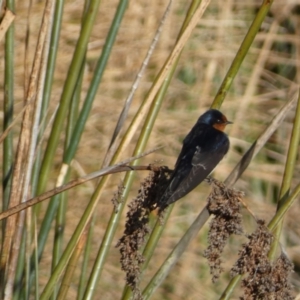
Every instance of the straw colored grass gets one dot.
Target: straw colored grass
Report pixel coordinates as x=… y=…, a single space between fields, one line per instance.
x=267 y=80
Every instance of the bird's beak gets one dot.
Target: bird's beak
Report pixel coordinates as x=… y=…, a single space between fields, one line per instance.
x=228 y=122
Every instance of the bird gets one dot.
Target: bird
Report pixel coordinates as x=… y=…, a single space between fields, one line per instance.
x=203 y=148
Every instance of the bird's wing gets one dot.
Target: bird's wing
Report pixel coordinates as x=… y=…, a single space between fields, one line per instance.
x=191 y=172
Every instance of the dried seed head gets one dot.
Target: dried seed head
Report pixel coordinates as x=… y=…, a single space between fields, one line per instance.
x=136 y=227
x=225 y=205
x=265 y=280
x=118 y=197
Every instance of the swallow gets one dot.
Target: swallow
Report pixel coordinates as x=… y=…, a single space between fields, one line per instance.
x=203 y=148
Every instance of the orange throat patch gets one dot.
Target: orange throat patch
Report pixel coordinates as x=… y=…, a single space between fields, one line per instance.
x=220 y=127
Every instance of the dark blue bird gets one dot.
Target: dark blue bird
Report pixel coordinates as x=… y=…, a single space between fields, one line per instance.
x=203 y=148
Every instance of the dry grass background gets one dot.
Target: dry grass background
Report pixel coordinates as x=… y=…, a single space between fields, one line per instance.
x=266 y=81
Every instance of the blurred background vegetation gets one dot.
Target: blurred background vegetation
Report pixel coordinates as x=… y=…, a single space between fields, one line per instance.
x=267 y=79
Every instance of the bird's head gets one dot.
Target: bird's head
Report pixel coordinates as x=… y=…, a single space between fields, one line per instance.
x=214 y=118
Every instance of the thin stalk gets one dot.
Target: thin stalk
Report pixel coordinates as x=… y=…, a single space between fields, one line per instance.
x=55 y=34
x=61 y=204
x=99 y=70
x=19 y=271
x=36 y=261
x=56 y=274
x=52 y=207
x=226 y=295
x=83 y=275
x=284 y=207
x=46 y=91
x=103 y=172
x=173 y=257
x=62 y=198
x=48 y=218
x=8 y=109
x=25 y=153
x=242 y=52
x=106 y=241
x=260 y=142
x=158 y=228
x=288 y=175
x=67 y=93
x=128 y=101
x=72 y=266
